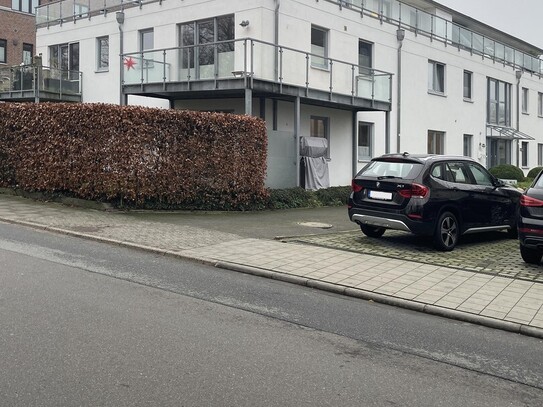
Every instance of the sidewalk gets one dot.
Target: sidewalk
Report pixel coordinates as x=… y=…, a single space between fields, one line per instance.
x=244 y=242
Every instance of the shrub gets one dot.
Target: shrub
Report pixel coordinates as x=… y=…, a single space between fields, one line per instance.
x=300 y=198
x=533 y=172
x=334 y=196
x=133 y=155
x=507 y=171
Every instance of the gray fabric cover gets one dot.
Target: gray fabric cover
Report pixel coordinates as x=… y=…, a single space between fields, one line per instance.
x=316 y=173
x=313 y=151
x=313 y=146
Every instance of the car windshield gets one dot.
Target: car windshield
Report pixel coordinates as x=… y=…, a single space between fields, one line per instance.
x=388 y=169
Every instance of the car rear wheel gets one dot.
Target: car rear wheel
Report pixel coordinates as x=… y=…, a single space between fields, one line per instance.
x=447 y=232
x=530 y=256
x=372 y=231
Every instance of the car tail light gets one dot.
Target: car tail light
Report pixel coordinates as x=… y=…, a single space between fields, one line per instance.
x=414 y=191
x=355 y=187
x=529 y=201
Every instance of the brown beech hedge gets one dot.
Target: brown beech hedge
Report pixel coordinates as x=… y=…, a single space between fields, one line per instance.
x=134 y=154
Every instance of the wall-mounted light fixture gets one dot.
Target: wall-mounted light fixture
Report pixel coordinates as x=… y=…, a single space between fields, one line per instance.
x=244 y=23
x=119 y=15
x=400 y=34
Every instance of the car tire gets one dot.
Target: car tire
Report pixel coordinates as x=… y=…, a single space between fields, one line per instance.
x=447 y=232
x=372 y=231
x=530 y=256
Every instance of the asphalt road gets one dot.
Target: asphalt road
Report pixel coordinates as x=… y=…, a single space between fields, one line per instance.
x=85 y=323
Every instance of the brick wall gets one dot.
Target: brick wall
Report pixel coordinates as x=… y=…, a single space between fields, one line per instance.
x=16 y=28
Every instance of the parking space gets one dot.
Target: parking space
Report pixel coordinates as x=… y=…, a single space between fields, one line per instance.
x=492 y=253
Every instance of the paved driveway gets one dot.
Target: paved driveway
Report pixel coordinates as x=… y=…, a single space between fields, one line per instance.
x=491 y=253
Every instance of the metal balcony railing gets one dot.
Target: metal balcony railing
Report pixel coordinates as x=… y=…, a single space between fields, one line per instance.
x=37 y=79
x=253 y=59
x=421 y=22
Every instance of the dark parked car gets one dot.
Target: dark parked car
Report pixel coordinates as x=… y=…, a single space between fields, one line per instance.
x=530 y=222
x=433 y=195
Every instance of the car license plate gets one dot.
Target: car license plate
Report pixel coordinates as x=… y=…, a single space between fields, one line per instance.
x=384 y=196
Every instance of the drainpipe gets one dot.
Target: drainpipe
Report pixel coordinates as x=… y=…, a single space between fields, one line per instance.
x=400 y=35
x=120 y=20
x=518 y=75
x=276 y=39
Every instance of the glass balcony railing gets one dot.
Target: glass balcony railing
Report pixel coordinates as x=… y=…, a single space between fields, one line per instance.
x=37 y=78
x=411 y=18
x=253 y=59
x=69 y=10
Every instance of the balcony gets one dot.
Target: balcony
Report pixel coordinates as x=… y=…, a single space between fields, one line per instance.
x=230 y=67
x=420 y=22
x=35 y=83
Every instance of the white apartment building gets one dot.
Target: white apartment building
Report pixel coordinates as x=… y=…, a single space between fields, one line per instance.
x=371 y=76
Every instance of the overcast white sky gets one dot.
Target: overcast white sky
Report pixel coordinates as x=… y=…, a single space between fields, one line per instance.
x=521 y=18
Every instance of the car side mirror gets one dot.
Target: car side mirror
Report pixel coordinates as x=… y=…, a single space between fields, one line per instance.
x=499 y=183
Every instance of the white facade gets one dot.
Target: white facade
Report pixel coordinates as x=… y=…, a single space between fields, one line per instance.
x=405 y=122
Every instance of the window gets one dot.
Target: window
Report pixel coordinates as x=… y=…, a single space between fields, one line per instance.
x=480 y=175
x=65 y=57
x=524 y=156
x=468 y=140
x=319 y=47
x=147 y=39
x=207 y=60
x=499 y=102
x=26 y=6
x=458 y=173
x=525 y=100
x=28 y=52
x=102 y=53
x=319 y=127
x=365 y=141
x=468 y=77
x=436 y=142
x=540 y=155
x=364 y=56
x=3 y=51
x=540 y=104
x=436 y=77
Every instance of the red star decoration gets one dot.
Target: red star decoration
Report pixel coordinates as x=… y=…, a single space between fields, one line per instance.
x=129 y=63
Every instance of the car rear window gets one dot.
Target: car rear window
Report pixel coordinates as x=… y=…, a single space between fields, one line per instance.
x=407 y=170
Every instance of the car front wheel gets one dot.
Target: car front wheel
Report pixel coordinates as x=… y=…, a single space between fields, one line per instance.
x=530 y=256
x=447 y=232
x=372 y=231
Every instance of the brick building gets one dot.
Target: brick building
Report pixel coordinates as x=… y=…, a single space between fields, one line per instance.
x=17 y=31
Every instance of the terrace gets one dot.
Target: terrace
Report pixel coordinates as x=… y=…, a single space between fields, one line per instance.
x=35 y=83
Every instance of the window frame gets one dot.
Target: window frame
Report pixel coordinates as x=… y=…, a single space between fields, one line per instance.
x=370 y=137
x=468 y=142
x=539 y=154
x=363 y=69
x=540 y=104
x=495 y=85
x=4 y=46
x=525 y=100
x=27 y=61
x=435 y=141
x=438 y=88
x=524 y=154
x=468 y=85
x=326 y=130
x=316 y=57
x=99 y=46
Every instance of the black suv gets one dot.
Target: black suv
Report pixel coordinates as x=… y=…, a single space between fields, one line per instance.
x=530 y=222
x=433 y=195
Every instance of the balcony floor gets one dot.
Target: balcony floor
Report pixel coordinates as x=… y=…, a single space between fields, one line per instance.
x=235 y=88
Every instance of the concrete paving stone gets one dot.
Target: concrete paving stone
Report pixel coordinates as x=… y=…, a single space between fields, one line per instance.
x=447 y=304
x=405 y=296
x=537 y=323
x=530 y=303
x=473 y=309
x=517 y=320
x=493 y=314
x=521 y=313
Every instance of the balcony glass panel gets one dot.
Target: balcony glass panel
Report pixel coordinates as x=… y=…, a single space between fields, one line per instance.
x=500 y=51
x=477 y=42
x=440 y=28
x=372 y=5
x=489 y=46
x=509 y=55
x=425 y=22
